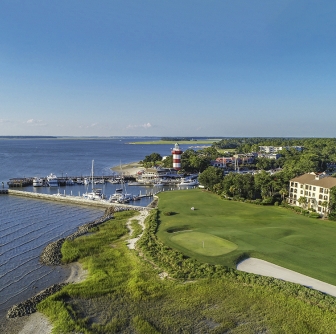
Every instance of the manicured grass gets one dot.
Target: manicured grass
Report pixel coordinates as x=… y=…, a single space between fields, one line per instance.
x=273 y=234
x=203 y=243
x=123 y=294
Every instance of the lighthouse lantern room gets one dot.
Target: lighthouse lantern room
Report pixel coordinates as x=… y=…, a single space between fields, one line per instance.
x=177 y=157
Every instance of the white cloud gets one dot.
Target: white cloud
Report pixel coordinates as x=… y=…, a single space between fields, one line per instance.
x=33 y=122
x=145 y=126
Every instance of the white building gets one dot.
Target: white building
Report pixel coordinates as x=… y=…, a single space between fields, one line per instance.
x=275 y=149
x=314 y=187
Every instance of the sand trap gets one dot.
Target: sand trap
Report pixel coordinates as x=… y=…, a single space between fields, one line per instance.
x=265 y=268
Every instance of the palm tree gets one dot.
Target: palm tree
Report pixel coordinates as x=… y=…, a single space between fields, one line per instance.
x=325 y=205
x=302 y=201
x=283 y=192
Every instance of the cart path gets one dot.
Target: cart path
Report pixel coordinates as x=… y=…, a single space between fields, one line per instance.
x=264 y=268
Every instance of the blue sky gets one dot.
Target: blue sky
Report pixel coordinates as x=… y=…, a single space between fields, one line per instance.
x=168 y=68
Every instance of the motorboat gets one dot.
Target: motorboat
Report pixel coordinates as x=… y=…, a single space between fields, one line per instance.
x=79 y=180
x=37 y=182
x=52 y=180
x=70 y=182
x=86 y=181
x=188 y=182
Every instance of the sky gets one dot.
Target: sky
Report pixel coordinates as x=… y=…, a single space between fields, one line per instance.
x=168 y=68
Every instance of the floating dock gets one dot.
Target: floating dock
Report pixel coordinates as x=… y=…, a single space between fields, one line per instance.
x=73 y=200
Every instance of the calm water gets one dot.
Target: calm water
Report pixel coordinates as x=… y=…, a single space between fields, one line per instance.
x=28 y=225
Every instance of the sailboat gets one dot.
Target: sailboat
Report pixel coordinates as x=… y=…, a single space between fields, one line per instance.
x=120 y=195
x=95 y=194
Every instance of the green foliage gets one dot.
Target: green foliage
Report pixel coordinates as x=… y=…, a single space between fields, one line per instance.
x=154 y=157
x=210 y=177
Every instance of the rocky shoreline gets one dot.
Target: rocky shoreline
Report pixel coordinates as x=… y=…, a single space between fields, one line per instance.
x=52 y=256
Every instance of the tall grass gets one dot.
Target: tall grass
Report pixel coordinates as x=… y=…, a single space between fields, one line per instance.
x=123 y=294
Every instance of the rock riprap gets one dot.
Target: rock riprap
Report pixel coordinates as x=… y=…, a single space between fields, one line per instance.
x=30 y=305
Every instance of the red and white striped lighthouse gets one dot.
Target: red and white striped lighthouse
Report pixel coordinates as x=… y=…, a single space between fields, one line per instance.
x=177 y=157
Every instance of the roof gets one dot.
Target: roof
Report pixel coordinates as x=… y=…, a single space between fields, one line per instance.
x=325 y=182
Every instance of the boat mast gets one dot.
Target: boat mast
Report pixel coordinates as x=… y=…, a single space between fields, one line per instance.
x=92 y=175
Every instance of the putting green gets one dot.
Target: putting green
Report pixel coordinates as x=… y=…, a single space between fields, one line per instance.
x=203 y=243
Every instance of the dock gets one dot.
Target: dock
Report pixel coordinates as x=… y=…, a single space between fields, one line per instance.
x=77 y=200
x=20 y=182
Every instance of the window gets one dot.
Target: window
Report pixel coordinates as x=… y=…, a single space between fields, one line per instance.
x=326 y=191
x=292 y=183
x=301 y=192
x=301 y=185
x=321 y=190
x=314 y=188
x=306 y=186
x=313 y=194
x=306 y=192
x=296 y=184
x=325 y=198
x=291 y=190
x=309 y=194
x=319 y=209
x=320 y=196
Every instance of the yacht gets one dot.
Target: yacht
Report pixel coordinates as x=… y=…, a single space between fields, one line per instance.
x=95 y=194
x=188 y=182
x=52 y=180
x=79 y=180
x=37 y=182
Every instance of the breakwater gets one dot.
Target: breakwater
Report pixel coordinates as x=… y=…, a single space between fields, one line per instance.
x=72 y=200
x=30 y=305
x=52 y=256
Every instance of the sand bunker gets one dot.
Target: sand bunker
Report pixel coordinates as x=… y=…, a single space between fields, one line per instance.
x=265 y=268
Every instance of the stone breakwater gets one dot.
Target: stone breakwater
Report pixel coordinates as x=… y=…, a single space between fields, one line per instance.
x=51 y=255
x=30 y=305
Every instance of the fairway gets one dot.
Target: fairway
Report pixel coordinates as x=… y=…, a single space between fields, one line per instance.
x=270 y=233
x=203 y=243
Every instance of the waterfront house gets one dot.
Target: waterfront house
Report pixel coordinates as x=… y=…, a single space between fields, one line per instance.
x=315 y=188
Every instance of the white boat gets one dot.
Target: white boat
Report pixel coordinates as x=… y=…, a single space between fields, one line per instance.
x=52 y=180
x=86 y=181
x=95 y=194
x=37 y=182
x=70 y=182
x=79 y=180
x=188 y=182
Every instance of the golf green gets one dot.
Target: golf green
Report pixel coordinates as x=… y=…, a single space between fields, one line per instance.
x=203 y=243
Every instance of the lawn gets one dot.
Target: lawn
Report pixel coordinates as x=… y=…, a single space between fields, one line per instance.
x=270 y=233
x=124 y=294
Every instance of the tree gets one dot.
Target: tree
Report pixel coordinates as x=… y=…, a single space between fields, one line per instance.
x=211 y=176
x=154 y=157
x=303 y=201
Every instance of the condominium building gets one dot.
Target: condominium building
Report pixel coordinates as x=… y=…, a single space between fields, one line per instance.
x=275 y=149
x=314 y=187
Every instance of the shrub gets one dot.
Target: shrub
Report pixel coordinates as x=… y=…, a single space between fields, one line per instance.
x=314 y=215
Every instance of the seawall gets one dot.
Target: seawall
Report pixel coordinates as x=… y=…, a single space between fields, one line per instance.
x=73 y=200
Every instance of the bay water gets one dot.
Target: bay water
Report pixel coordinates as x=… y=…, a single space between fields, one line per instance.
x=28 y=225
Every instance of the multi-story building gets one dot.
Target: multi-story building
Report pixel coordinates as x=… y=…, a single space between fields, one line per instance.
x=315 y=188
x=275 y=149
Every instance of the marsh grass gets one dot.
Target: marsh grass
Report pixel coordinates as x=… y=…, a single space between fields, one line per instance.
x=123 y=294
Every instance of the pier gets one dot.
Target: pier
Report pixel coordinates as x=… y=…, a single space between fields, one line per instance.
x=28 y=181
x=74 y=200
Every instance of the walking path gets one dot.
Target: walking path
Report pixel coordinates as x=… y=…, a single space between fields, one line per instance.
x=265 y=268
x=141 y=220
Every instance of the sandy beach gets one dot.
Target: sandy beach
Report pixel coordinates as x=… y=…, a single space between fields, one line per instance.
x=128 y=169
x=37 y=323
x=265 y=268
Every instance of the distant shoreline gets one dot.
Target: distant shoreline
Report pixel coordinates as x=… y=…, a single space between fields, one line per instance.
x=182 y=142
